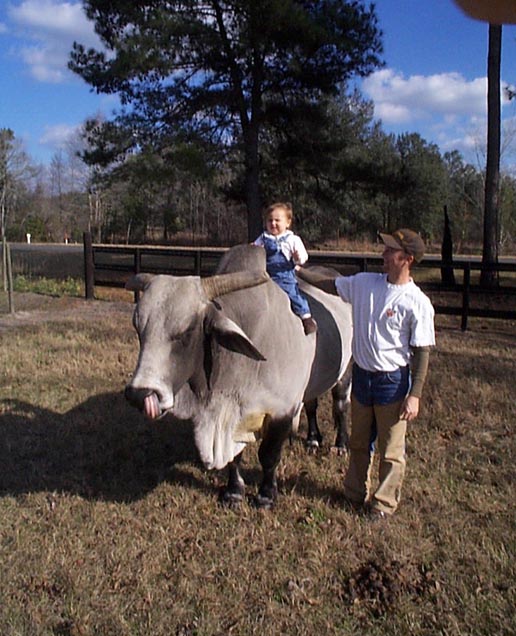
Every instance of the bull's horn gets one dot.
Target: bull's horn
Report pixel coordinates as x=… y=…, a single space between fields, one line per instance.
x=221 y=284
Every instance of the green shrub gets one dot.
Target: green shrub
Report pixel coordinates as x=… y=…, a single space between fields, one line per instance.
x=49 y=286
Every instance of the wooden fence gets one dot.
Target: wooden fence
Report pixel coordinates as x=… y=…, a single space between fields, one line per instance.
x=110 y=265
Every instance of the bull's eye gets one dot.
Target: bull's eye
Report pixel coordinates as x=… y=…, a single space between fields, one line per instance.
x=182 y=338
x=187 y=336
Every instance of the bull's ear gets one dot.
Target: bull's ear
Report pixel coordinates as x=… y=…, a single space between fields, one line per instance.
x=229 y=335
x=139 y=282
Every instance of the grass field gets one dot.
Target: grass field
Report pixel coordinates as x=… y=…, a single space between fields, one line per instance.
x=110 y=526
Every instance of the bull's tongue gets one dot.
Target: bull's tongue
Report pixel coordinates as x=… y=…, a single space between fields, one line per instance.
x=151 y=406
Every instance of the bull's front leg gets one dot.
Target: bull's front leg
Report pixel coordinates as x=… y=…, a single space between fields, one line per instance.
x=232 y=495
x=269 y=455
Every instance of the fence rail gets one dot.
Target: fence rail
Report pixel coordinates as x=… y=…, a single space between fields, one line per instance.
x=111 y=266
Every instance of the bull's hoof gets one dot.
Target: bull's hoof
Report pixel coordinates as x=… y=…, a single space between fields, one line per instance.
x=263 y=502
x=340 y=451
x=231 y=500
x=312 y=446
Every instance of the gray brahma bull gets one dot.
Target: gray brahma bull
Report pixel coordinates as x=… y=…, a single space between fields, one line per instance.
x=228 y=353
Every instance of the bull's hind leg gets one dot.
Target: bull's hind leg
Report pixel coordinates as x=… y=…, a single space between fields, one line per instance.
x=232 y=494
x=341 y=409
x=314 y=437
x=341 y=399
x=269 y=455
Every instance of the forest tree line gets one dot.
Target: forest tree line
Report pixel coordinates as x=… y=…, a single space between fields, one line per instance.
x=227 y=107
x=375 y=181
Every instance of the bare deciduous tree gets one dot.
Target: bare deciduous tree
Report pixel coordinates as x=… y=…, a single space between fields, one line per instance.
x=15 y=167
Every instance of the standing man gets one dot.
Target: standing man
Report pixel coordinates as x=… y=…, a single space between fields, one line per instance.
x=393 y=329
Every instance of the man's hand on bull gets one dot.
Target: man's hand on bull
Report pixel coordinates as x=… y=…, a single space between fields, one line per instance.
x=321 y=278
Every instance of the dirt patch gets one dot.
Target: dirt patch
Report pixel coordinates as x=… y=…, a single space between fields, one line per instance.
x=33 y=309
x=380 y=586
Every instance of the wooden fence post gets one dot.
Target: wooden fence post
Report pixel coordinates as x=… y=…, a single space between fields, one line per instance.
x=10 y=285
x=89 y=267
x=137 y=269
x=465 y=296
x=447 y=273
x=4 y=263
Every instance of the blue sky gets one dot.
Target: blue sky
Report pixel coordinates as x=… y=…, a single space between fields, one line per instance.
x=434 y=81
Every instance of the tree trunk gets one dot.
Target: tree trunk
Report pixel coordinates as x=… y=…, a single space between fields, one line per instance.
x=253 y=190
x=489 y=277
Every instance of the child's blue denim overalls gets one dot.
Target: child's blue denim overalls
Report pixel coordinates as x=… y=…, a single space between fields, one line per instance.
x=282 y=272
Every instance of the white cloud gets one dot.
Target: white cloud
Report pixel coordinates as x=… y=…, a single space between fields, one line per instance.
x=54 y=17
x=400 y=100
x=48 y=29
x=444 y=108
x=392 y=113
x=45 y=64
x=57 y=136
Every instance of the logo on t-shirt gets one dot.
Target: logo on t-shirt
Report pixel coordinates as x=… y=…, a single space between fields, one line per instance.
x=390 y=313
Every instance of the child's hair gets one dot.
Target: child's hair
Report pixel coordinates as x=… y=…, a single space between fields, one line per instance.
x=279 y=204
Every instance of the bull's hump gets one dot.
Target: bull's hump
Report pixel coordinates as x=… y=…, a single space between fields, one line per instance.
x=242 y=257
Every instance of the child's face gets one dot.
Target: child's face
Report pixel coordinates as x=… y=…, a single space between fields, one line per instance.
x=277 y=221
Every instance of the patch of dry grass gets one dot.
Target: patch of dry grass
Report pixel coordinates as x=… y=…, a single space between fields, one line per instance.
x=109 y=525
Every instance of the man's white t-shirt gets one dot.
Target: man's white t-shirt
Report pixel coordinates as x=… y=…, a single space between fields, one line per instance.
x=387 y=320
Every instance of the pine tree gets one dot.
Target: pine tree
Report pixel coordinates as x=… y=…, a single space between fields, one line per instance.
x=217 y=71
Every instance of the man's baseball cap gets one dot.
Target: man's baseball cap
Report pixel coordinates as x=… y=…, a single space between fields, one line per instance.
x=406 y=240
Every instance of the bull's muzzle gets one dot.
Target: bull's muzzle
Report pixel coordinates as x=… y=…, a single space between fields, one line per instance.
x=145 y=400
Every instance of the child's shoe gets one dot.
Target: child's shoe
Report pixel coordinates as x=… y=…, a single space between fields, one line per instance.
x=309 y=325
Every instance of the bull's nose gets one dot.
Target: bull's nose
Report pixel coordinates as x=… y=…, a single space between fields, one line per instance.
x=136 y=397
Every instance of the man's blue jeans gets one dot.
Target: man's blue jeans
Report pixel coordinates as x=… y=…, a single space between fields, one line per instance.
x=378 y=387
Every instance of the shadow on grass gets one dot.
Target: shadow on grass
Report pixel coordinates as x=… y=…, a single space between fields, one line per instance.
x=104 y=449
x=101 y=449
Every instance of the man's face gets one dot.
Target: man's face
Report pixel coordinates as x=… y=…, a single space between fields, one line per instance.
x=394 y=261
